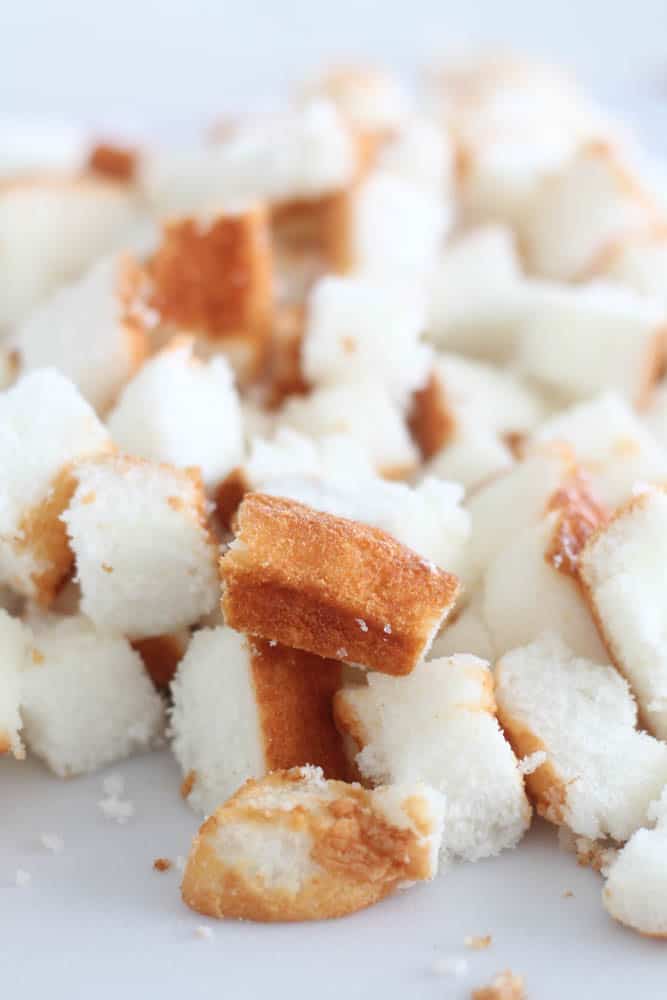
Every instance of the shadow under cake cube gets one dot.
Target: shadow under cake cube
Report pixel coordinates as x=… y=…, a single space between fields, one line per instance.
x=146 y=562
x=46 y=428
x=243 y=707
x=332 y=586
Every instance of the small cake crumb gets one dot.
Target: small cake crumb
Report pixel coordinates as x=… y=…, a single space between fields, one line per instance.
x=568 y=894
x=52 y=842
x=273 y=642
x=188 y=783
x=119 y=810
x=506 y=986
x=477 y=942
x=162 y=864
x=22 y=878
x=450 y=965
x=114 y=785
x=180 y=863
x=362 y=624
x=204 y=932
x=387 y=629
x=531 y=763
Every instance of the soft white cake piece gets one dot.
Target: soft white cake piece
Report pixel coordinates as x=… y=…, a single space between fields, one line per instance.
x=83 y=331
x=578 y=342
x=290 y=455
x=638 y=260
x=428 y=518
x=45 y=429
x=295 y=847
x=466 y=634
x=145 y=560
x=510 y=502
x=438 y=725
x=183 y=411
x=575 y=212
x=611 y=444
x=242 y=707
x=476 y=303
x=86 y=700
x=524 y=595
x=474 y=456
x=623 y=572
x=397 y=231
x=601 y=774
x=636 y=887
x=305 y=153
x=483 y=396
x=14 y=651
x=370 y=99
x=422 y=154
x=364 y=410
x=51 y=228
x=355 y=326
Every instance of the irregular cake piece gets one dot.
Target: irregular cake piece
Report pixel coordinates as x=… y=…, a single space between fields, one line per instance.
x=53 y=226
x=363 y=410
x=622 y=571
x=183 y=411
x=438 y=725
x=296 y=847
x=427 y=518
x=85 y=330
x=213 y=279
x=354 y=326
x=611 y=445
x=45 y=429
x=14 y=644
x=145 y=558
x=601 y=774
x=305 y=153
x=636 y=887
x=332 y=586
x=511 y=501
x=575 y=212
x=579 y=341
x=475 y=303
x=532 y=585
x=397 y=231
x=86 y=699
x=243 y=707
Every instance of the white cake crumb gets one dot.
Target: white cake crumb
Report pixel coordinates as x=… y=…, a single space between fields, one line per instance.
x=119 y=810
x=179 y=863
x=450 y=965
x=362 y=624
x=114 y=785
x=52 y=842
x=204 y=932
x=387 y=629
x=22 y=878
x=529 y=764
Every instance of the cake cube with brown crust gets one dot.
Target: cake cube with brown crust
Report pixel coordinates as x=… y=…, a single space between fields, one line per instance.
x=294 y=846
x=243 y=707
x=332 y=586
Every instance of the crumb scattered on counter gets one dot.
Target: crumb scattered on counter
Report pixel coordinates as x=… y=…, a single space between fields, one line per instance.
x=450 y=965
x=203 y=932
x=22 y=878
x=162 y=864
x=477 y=942
x=52 y=842
x=506 y=986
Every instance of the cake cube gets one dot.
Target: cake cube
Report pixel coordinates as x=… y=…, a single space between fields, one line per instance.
x=438 y=726
x=243 y=707
x=294 y=847
x=86 y=700
x=332 y=586
x=600 y=774
x=183 y=411
x=145 y=559
x=45 y=429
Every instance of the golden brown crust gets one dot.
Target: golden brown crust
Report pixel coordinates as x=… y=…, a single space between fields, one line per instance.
x=229 y=495
x=580 y=515
x=431 y=421
x=188 y=783
x=116 y=162
x=285 y=376
x=348 y=721
x=294 y=692
x=331 y=586
x=546 y=789
x=216 y=280
x=161 y=655
x=5 y=743
x=506 y=986
x=357 y=857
